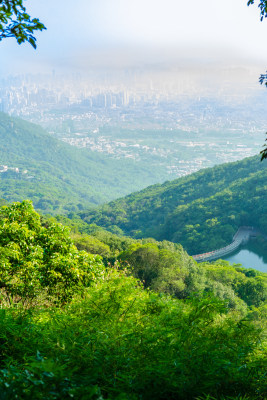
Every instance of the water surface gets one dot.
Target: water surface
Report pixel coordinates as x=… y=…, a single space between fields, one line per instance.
x=250 y=256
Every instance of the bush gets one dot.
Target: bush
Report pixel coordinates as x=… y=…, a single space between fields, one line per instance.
x=137 y=344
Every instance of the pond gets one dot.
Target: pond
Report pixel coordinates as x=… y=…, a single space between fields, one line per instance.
x=250 y=256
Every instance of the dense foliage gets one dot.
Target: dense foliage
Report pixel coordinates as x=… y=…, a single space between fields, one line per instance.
x=165 y=266
x=71 y=329
x=127 y=343
x=201 y=211
x=59 y=177
x=40 y=261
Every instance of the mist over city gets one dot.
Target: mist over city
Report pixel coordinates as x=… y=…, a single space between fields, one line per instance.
x=105 y=73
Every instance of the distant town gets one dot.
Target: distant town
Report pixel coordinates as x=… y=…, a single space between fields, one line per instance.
x=173 y=123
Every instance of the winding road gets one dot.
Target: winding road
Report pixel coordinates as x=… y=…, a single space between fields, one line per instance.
x=243 y=234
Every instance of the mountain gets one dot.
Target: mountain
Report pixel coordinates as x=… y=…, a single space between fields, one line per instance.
x=57 y=176
x=201 y=211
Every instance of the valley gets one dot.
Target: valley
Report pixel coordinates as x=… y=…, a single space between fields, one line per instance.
x=133 y=200
x=58 y=177
x=202 y=211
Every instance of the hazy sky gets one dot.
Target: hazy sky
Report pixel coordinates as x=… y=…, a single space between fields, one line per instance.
x=114 y=31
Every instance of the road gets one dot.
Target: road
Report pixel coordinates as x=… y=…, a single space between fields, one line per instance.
x=243 y=234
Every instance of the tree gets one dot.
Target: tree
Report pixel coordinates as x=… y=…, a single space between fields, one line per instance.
x=16 y=22
x=263 y=78
x=40 y=262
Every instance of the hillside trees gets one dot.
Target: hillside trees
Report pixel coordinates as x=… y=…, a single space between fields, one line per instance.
x=201 y=211
x=58 y=177
x=174 y=272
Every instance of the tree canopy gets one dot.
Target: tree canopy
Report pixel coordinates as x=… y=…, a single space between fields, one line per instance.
x=16 y=22
x=40 y=259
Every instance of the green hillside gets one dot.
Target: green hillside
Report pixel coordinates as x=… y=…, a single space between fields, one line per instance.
x=201 y=211
x=57 y=176
x=145 y=322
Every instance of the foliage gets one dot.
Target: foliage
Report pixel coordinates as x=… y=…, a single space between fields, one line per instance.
x=108 y=337
x=123 y=342
x=248 y=284
x=262 y=6
x=166 y=268
x=16 y=22
x=202 y=211
x=264 y=151
x=91 y=245
x=173 y=272
x=40 y=260
x=43 y=380
x=91 y=232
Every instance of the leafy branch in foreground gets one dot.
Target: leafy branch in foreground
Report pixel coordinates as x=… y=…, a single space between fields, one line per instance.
x=263 y=78
x=264 y=151
x=262 y=6
x=16 y=22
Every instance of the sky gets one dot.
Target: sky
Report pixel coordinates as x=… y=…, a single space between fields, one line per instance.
x=100 y=33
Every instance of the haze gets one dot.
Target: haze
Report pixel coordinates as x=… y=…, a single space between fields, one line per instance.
x=115 y=33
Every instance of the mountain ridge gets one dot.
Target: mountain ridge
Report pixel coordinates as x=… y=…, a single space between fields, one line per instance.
x=57 y=176
x=212 y=203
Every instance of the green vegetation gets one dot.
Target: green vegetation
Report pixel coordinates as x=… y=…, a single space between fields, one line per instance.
x=58 y=177
x=37 y=259
x=165 y=267
x=72 y=328
x=201 y=211
x=88 y=314
x=123 y=342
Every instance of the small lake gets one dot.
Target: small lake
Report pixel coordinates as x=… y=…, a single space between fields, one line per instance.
x=250 y=256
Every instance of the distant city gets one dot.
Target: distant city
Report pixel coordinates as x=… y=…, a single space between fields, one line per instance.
x=170 y=120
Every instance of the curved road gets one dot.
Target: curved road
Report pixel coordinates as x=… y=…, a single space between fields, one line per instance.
x=242 y=235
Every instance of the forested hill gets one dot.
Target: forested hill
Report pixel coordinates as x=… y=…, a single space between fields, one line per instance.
x=57 y=176
x=201 y=211
x=145 y=322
